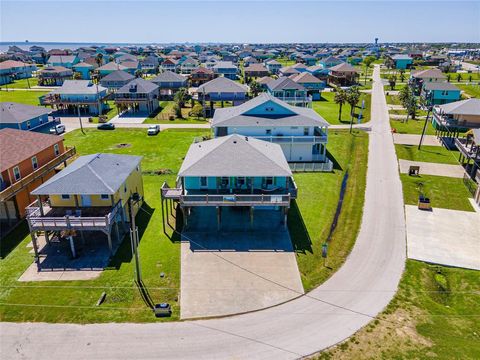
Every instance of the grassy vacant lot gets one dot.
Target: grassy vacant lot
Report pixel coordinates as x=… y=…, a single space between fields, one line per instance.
x=412 y=126
x=472 y=90
x=329 y=109
x=434 y=154
x=21 y=84
x=166 y=108
x=74 y=301
x=444 y=192
x=434 y=315
x=318 y=196
x=22 y=96
x=70 y=301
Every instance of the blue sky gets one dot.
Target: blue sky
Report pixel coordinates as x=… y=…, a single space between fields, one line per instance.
x=239 y=21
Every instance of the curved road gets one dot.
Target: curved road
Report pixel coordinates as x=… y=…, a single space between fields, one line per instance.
x=329 y=314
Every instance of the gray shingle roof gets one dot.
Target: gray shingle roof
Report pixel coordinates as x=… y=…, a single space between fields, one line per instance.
x=284 y=83
x=111 y=66
x=78 y=87
x=344 y=67
x=428 y=73
x=440 y=86
x=235 y=155
x=462 y=107
x=142 y=87
x=94 y=174
x=235 y=115
x=222 y=84
x=15 y=113
x=118 y=75
x=169 y=76
x=61 y=59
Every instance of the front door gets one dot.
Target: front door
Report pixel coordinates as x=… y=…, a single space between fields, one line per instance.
x=86 y=201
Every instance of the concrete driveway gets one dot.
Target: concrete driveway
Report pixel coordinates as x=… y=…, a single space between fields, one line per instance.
x=441 y=236
x=436 y=169
x=227 y=273
x=239 y=268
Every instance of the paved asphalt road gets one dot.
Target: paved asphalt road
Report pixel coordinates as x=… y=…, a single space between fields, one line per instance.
x=327 y=315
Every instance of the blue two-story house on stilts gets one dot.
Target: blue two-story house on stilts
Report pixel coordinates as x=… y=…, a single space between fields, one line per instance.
x=301 y=132
x=228 y=180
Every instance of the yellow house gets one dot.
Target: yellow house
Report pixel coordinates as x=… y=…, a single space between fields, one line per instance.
x=92 y=194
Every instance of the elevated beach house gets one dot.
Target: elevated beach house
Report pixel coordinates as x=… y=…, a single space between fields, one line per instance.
x=23 y=117
x=11 y=70
x=402 y=61
x=233 y=171
x=226 y=69
x=91 y=194
x=115 y=80
x=138 y=95
x=343 y=75
x=222 y=89
x=420 y=77
x=301 y=132
x=438 y=93
x=169 y=83
x=285 y=89
x=78 y=96
x=27 y=160
x=201 y=75
x=456 y=117
x=54 y=75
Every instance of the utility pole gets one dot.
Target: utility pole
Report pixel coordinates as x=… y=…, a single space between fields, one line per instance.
x=134 y=237
x=80 y=119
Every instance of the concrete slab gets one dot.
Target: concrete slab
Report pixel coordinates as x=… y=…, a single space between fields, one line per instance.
x=441 y=236
x=426 y=168
x=234 y=272
x=413 y=139
x=128 y=119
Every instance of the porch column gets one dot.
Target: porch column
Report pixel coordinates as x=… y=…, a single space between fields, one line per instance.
x=40 y=205
x=35 y=248
x=285 y=216
x=109 y=239
x=72 y=246
x=117 y=231
x=219 y=217
x=251 y=217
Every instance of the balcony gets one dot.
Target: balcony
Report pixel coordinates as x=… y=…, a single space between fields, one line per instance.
x=468 y=148
x=18 y=186
x=450 y=122
x=280 y=139
x=235 y=200
x=67 y=218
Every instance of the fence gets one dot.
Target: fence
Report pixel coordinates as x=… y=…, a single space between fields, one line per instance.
x=312 y=167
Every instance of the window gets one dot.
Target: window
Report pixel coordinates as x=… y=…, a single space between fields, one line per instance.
x=65 y=197
x=268 y=131
x=16 y=173
x=224 y=181
x=240 y=182
x=34 y=163
x=28 y=124
x=269 y=109
x=269 y=180
x=56 y=149
x=306 y=131
x=104 y=196
x=203 y=181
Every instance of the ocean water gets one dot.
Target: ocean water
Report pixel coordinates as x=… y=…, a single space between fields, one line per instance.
x=58 y=45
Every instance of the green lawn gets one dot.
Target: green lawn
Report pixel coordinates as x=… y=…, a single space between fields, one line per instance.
x=317 y=207
x=393 y=100
x=412 y=126
x=21 y=84
x=71 y=301
x=166 y=108
x=329 y=109
x=286 y=61
x=22 y=96
x=464 y=76
x=472 y=90
x=434 y=315
x=434 y=154
x=443 y=192
x=74 y=301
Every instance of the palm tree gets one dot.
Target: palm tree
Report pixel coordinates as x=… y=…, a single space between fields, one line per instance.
x=392 y=80
x=402 y=75
x=255 y=88
x=459 y=77
x=448 y=77
x=340 y=98
x=99 y=59
x=77 y=76
x=353 y=96
x=138 y=73
x=181 y=97
x=368 y=62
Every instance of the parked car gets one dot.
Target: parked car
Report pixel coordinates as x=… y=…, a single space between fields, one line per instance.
x=57 y=129
x=106 y=126
x=153 y=130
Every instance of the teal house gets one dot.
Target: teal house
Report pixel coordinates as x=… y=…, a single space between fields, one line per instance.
x=66 y=61
x=439 y=93
x=84 y=69
x=402 y=61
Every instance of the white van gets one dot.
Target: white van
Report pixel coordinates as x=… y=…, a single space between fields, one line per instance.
x=57 y=129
